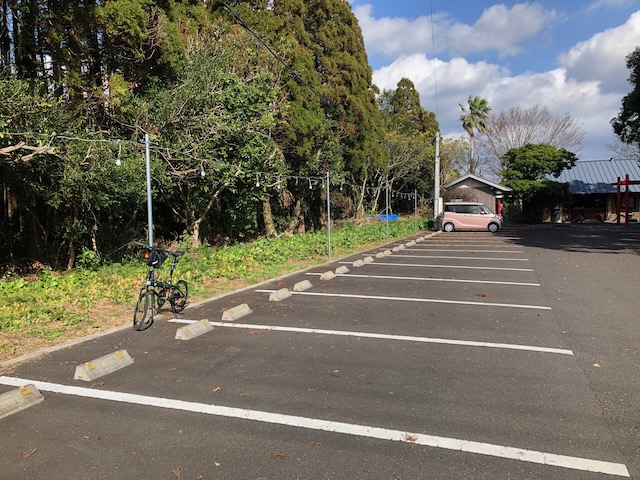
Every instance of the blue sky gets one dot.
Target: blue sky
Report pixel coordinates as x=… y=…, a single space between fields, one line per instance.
x=566 y=55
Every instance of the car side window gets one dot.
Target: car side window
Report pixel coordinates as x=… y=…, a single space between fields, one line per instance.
x=475 y=209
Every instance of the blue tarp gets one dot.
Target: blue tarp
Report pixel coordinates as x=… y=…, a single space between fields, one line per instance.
x=392 y=217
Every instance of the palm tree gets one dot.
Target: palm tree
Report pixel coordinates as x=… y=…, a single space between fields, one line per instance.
x=474 y=118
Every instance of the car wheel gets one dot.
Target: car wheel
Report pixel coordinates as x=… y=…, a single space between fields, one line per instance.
x=448 y=227
x=493 y=227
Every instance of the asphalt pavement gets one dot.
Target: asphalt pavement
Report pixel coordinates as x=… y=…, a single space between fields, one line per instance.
x=466 y=355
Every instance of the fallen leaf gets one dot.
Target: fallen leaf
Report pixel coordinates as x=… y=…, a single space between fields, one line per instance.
x=217 y=390
x=316 y=444
x=482 y=294
x=199 y=477
x=335 y=373
x=279 y=456
x=597 y=365
x=177 y=472
x=97 y=384
x=28 y=454
x=217 y=464
x=409 y=438
x=256 y=332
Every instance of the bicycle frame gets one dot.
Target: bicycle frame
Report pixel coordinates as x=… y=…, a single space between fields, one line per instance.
x=155 y=293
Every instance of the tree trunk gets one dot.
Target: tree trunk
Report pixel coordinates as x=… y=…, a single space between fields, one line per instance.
x=195 y=229
x=267 y=217
x=301 y=220
x=71 y=251
x=195 y=234
x=472 y=162
x=360 y=210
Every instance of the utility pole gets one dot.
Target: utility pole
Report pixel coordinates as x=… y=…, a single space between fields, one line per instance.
x=328 y=217
x=436 y=180
x=149 y=199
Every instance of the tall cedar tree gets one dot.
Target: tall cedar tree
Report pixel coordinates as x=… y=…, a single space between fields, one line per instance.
x=410 y=134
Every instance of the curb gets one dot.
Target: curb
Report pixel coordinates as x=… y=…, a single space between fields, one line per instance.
x=77 y=341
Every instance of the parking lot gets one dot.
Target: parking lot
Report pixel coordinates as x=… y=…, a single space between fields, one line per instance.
x=462 y=355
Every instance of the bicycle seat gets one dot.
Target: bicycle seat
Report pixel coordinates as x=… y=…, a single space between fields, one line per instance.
x=178 y=253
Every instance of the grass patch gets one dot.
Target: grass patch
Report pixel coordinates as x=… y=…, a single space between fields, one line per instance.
x=54 y=306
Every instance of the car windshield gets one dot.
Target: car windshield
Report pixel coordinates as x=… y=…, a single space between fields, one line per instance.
x=485 y=209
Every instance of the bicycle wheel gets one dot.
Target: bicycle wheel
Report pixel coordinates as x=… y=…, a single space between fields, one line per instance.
x=141 y=318
x=179 y=295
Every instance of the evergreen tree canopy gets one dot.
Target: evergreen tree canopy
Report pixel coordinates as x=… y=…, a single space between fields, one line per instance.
x=627 y=124
x=256 y=95
x=526 y=168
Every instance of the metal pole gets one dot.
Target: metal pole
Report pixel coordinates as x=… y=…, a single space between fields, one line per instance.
x=618 y=202
x=386 y=200
x=149 y=199
x=626 y=201
x=329 y=217
x=436 y=181
x=415 y=210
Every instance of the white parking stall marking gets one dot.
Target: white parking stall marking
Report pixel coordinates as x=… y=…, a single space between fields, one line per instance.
x=459 y=258
x=460 y=251
x=447 y=266
x=383 y=336
x=432 y=279
x=468 y=245
x=418 y=300
x=481 y=448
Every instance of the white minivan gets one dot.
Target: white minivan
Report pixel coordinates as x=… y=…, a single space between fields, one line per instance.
x=469 y=216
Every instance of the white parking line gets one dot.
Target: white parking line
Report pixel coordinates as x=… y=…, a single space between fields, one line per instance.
x=419 y=300
x=431 y=279
x=459 y=250
x=481 y=448
x=384 y=336
x=468 y=245
x=447 y=266
x=459 y=258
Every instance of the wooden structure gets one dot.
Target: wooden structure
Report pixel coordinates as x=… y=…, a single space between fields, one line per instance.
x=626 y=183
x=594 y=197
x=472 y=188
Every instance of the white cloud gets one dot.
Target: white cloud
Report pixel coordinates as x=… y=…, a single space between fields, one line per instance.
x=392 y=36
x=456 y=79
x=597 y=4
x=499 y=28
x=588 y=84
x=602 y=57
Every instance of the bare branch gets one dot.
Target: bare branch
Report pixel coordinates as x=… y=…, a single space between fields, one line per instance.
x=40 y=150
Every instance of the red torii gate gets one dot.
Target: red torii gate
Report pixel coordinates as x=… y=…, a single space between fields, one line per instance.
x=626 y=182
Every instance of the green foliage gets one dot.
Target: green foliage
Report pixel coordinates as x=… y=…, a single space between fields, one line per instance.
x=48 y=305
x=547 y=195
x=409 y=142
x=474 y=118
x=213 y=100
x=627 y=124
x=526 y=169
